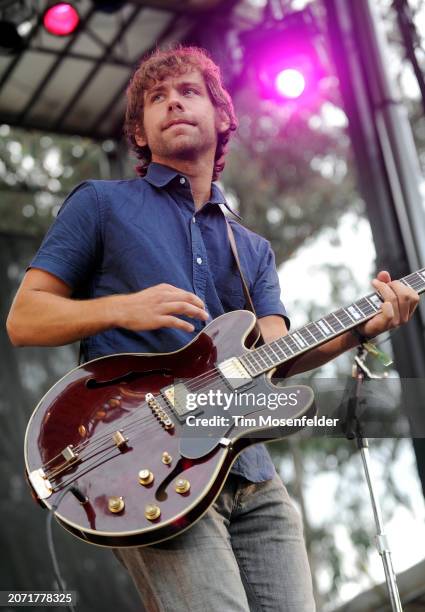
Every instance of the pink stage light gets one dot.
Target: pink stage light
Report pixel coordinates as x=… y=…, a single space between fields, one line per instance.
x=61 y=19
x=290 y=83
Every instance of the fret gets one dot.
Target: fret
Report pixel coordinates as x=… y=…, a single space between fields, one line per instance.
x=376 y=300
x=411 y=280
x=291 y=343
x=255 y=361
x=319 y=331
x=414 y=280
x=365 y=307
x=274 y=352
x=269 y=353
x=343 y=317
x=348 y=314
x=371 y=304
x=299 y=341
x=286 y=340
x=249 y=361
x=258 y=367
x=260 y=352
x=355 y=312
x=316 y=333
x=279 y=348
x=305 y=335
x=338 y=320
x=335 y=327
x=324 y=327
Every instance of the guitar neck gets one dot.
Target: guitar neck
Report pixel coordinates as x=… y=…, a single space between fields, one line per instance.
x=287 y=347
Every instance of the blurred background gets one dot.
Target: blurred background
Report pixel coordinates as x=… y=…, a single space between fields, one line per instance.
x=327 y=164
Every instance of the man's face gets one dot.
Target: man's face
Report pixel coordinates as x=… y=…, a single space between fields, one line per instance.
x=180 y=121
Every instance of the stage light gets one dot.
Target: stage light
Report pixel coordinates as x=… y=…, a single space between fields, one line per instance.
x=284 y=58
x=61 y=19
x=290 y=83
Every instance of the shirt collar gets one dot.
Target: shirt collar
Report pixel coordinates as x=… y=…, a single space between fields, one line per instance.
x=159 y=175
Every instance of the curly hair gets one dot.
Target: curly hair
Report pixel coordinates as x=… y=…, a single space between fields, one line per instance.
x=175 y=62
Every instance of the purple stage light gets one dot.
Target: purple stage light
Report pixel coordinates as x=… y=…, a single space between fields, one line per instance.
x=290 y=83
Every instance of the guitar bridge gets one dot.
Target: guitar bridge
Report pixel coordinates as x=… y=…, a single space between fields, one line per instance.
x=40 y=483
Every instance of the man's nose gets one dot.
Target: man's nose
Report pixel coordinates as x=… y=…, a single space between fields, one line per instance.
x=174 y=103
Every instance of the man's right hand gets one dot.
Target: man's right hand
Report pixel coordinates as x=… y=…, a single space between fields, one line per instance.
x=158 y=306
x=43 y=312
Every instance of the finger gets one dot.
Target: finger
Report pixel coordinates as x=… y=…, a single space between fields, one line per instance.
x=175 y=322
x=184 y=308
x=404 y=298
x=385 y=319
x=384 y=276
x=388 y=295
x=413 y=304
x=180 y=295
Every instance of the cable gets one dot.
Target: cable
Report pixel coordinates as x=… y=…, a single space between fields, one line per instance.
x=49 y=535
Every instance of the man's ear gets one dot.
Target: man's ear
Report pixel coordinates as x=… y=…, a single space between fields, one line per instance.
x=222 y=121
x=139 y=137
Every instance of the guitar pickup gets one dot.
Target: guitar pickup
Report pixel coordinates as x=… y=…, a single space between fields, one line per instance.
x=177 y=397
x=234 y=372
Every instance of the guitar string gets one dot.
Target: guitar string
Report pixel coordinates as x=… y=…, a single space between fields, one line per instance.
x=106 y=435
x=133 y=427
x=211 y=376
x=89 y=467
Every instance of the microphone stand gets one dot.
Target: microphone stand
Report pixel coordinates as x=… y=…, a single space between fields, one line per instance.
x=352 y=430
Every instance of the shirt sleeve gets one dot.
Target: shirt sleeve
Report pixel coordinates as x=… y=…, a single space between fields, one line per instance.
x=266 y=288
x=71 y=246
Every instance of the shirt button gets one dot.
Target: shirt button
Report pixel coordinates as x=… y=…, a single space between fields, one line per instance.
x=199 y=260
x=182 y=180
x=193 y=220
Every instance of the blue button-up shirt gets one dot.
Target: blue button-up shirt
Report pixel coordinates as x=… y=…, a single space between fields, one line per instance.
x=118 y=237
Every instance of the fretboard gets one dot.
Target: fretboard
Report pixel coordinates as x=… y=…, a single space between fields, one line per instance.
x=313 y=334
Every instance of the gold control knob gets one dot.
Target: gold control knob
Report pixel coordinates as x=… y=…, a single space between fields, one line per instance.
x=145 y=477
x=166 y=458
x=182 y=485
x=114 y=402
x=152 y=512
x=115 y=504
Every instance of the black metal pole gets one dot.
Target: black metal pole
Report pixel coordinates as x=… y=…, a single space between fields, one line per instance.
x=388 y=172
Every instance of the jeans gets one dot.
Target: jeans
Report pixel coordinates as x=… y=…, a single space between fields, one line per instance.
x=246 y=553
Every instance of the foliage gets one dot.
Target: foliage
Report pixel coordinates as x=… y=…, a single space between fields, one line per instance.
x=37 y=171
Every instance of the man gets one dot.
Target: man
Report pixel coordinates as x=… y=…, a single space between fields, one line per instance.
x=150 y=262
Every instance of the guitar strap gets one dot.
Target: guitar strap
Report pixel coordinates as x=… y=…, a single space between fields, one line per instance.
x=248 y=300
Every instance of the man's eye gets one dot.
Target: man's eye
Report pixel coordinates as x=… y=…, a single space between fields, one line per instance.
x=156 y=97
x=190 y=90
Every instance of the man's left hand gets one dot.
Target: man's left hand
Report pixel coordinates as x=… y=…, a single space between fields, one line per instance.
x=400 y=302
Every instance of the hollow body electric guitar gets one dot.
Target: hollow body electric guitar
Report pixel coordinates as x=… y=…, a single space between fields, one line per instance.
x=132 y=449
